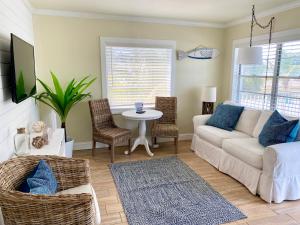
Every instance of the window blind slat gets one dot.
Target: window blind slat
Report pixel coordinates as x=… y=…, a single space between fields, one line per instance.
x=283 y=80
x=137 y=74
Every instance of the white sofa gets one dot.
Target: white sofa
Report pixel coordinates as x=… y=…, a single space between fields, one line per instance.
x=272 y=172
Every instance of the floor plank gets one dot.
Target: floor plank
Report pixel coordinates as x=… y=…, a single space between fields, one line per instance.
x=257 y=211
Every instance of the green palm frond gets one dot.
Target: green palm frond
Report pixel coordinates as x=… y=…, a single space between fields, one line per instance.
x=60 y=100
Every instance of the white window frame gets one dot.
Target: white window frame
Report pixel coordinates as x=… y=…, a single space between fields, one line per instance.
x=277 y=37
x=133 y=42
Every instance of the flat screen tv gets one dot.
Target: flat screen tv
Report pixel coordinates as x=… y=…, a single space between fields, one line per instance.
x=23 y=79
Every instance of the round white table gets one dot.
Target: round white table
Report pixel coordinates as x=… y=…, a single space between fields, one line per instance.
x=148 y=115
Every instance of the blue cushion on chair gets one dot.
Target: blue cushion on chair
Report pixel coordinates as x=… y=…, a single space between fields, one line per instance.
x=276 y=130
x=225 y=116
x=24 y=186
x=39 y=186
x=41 y=180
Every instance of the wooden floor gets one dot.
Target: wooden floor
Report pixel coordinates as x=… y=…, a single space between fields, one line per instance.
x=257 y=211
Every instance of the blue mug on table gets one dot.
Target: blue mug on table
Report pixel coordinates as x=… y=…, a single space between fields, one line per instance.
x=139 y=106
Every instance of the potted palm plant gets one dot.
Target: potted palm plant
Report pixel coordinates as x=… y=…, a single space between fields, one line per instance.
x=61 y=101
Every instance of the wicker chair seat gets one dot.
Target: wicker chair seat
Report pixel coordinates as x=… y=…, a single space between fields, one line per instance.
x=165 y=130
x=112 y=133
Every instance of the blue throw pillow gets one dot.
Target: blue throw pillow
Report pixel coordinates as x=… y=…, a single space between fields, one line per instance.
x=24 y=186
x=294 y=133
x=276 y=130
x=40 y=181
x=298 y=137
x=225 y=116
x=40 y=186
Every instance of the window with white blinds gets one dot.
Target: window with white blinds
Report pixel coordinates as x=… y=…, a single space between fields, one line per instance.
x=279 y=88
x=137 y=72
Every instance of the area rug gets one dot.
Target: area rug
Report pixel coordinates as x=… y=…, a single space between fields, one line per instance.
x=168 y=192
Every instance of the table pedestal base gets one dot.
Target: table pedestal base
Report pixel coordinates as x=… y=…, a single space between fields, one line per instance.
x=141 y=140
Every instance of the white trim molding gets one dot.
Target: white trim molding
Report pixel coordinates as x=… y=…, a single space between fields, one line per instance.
x=76 y=14
x=87 y=15
x=88 y=144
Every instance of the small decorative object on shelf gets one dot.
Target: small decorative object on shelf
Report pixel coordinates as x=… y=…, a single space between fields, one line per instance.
x=139 y=107
x=39 y=129
x=38 y=126
x=38 y=142
x=209 y=96
x=21 y=142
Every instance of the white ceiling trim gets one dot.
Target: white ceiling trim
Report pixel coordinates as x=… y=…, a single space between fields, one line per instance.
x=270 y=12
x=63 y=13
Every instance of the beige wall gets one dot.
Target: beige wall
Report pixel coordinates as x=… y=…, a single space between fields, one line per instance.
x=70 y=47
x=283 y=21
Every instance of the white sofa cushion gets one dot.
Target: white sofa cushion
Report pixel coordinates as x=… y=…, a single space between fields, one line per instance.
x=216 y=135
x=248 y=121
x=263 y=118
x=246 y=149
x=86 y=188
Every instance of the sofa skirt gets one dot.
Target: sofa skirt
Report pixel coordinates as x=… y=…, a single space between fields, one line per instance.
x=278 y=189
x=241 y=171
x=224 y=162
x=206 y=151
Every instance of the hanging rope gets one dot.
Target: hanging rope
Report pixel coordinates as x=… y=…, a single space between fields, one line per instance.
x=270 y=26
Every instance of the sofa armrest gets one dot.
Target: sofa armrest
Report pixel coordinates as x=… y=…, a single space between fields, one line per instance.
x=282 y=160
x=200 y=120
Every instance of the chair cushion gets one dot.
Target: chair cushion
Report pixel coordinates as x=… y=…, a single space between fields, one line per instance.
x=88 y=189
x=225 y=116
x=165 y=130
x=216 y=135
x=276 y=130
x=40 y=181
x=246 y=149
x=248 y=120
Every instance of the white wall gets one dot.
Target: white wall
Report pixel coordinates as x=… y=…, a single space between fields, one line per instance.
x=15 y=18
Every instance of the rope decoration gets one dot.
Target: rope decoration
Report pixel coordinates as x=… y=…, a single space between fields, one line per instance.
x=270 y=26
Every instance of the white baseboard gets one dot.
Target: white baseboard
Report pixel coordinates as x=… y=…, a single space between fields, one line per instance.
x=88 y=144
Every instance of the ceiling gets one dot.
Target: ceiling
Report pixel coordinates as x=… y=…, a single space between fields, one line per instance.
x=210 y=11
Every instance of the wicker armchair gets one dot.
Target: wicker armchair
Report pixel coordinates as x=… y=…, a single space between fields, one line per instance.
x=166 y=125
x=20 y=208
x=104 y=128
